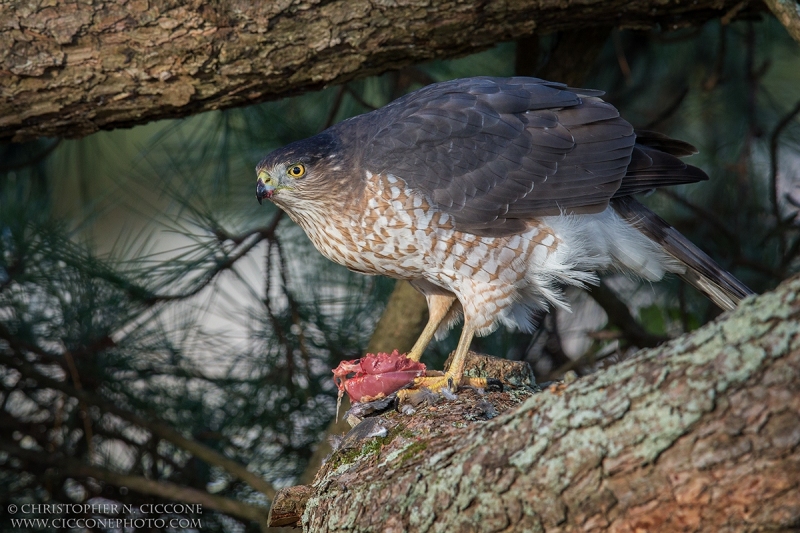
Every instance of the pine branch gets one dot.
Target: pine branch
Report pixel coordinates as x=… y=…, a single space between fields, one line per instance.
x=162 y=489
x=260 y=234
x=152 y=424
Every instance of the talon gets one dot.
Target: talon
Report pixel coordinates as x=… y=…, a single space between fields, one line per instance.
x=494 y=384
x=478 y=383
x=398 y=400
x=430 y=389
x=423 y=390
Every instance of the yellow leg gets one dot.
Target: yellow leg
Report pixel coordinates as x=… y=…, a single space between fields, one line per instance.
x=438 y=307
x=456 y=370
x=454 y=375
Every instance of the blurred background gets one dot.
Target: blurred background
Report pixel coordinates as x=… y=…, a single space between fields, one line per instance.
x=140 y=276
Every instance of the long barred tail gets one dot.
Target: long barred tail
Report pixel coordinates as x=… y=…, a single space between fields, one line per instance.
x=702 y=272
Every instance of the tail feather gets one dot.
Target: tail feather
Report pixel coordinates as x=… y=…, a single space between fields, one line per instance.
x=661 y=142
x=701 y=272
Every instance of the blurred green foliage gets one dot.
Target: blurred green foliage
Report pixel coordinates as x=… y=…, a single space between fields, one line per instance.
x=137 y=266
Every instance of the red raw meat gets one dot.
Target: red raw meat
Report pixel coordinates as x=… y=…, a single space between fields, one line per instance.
x=376 y=376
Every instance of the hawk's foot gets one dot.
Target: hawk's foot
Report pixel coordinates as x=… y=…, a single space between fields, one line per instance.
x=445 y=384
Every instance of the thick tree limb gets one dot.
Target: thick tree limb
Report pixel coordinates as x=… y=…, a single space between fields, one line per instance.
x=701 y=433
x=71 y=68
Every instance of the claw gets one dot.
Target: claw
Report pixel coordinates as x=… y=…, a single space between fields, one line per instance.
x=494 y=384
x=420 y=391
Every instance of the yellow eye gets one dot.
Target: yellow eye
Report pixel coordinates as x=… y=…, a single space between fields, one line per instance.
x=297 y=170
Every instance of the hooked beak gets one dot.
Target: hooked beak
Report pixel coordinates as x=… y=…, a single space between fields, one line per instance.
x=262 y=189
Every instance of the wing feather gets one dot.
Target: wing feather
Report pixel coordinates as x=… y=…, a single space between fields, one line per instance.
x=497 y=152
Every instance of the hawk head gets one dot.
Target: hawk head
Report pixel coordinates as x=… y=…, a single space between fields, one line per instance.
x=299 y=172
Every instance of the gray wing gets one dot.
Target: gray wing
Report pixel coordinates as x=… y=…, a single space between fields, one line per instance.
x=496 y=152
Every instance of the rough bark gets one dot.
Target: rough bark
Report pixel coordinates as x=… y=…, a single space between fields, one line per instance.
x=700 y=434
x=70 y=68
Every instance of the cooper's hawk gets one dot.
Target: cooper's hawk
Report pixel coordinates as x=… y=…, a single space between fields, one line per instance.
x=489 y=195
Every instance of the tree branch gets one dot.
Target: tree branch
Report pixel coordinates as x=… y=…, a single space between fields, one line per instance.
x=698 y=434
x=163 y=489
x=244 y=248
x=157 y=427
x=70 y=69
